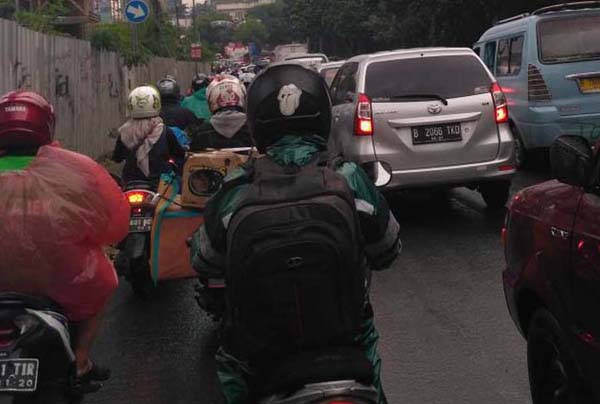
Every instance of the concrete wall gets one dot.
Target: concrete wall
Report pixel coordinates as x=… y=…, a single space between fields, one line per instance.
x=87 y=87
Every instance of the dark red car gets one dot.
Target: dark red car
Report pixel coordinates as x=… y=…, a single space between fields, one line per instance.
x=552 y=276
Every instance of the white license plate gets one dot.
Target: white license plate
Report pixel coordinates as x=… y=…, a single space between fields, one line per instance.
x=140 y=224
x=18 y=374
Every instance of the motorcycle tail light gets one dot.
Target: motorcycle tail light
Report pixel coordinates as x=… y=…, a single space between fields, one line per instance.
x=138 y=197
x=8 y=333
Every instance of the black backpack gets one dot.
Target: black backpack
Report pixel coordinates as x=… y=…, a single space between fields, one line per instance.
x=295 y=273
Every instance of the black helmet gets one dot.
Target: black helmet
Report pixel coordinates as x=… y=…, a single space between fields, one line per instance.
x=288 y=99
x=168 y=89
x=199 y=81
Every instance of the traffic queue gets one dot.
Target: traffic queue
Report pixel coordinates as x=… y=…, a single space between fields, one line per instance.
x=265 y=186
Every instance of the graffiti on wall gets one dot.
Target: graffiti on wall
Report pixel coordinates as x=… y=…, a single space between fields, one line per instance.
x=23 y=75
x=61 y=86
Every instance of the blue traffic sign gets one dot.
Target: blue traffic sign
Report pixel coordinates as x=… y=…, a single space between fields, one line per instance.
x=137 y=11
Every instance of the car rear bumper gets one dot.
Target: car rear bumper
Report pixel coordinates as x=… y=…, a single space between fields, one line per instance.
x=500 y=168
x=454 y=176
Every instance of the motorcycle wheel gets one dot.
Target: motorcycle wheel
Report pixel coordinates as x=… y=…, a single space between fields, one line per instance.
x=140 y=279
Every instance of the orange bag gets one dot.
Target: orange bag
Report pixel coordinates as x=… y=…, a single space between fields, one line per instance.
x=173 y=226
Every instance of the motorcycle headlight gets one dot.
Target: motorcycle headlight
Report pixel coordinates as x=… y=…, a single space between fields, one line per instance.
x=205 y=182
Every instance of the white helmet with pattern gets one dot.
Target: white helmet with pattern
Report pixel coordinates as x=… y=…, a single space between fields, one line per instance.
x=225 y=91
x=144 y=102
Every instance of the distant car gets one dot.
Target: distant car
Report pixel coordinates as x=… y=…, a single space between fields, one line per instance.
x=434 y=117
x=552 y=275
x=329 y=70
x=311 y=60
x=547 y=63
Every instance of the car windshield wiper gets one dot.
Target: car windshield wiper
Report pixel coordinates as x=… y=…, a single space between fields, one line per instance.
x=420 y=96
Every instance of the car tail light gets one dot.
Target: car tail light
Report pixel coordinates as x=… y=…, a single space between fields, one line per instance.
x=537 y=90
x=500 y=103
x=140 y=197
x=363 y=122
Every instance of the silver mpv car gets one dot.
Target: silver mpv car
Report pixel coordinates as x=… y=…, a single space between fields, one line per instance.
x=433 y=117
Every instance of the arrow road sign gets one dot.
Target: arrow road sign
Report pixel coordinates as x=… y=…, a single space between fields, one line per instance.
x=137 y=11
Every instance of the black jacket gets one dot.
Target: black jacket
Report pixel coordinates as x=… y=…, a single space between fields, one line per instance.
x=204 y=136
x=174 y=114
x=165 y=149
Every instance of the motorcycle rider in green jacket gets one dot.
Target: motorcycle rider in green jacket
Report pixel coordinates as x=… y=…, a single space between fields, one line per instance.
x=197 y=102
x=291 y=143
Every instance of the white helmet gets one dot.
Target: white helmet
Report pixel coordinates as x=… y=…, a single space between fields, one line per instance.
x=144 y=102
x=225 y=91
x=247 y=78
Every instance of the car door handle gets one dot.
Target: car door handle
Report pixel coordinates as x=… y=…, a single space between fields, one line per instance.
x=559 y=233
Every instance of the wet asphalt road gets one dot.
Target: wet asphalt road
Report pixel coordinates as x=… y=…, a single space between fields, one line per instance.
x=446 y=334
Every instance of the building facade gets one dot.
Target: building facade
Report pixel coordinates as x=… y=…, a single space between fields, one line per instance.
x=238 y=9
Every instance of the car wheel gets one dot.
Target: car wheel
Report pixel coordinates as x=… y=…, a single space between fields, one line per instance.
x=554 y=376
x=495 y=194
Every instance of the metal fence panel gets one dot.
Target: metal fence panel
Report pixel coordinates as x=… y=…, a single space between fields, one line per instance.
x=87 y=87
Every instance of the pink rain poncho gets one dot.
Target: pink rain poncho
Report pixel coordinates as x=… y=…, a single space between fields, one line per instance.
x=55 y=217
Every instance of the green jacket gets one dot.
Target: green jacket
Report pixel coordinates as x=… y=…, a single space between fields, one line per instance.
x=198 y=104
x=379 y=227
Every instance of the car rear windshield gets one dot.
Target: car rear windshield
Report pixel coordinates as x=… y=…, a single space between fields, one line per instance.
x=445 y=76
x=569 y=39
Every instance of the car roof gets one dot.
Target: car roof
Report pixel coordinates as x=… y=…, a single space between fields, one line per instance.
x=394 y=54
x=522 y=22
x=305 y=55
x=331 y=65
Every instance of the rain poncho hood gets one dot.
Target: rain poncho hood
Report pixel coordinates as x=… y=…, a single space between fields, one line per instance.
x=198 y=104
x=228 y=123
x=142 y=134
x=56 y=215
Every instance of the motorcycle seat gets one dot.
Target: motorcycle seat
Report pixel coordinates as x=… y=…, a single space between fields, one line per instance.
x=317 y=366
x=10 y=299
x=145 y=185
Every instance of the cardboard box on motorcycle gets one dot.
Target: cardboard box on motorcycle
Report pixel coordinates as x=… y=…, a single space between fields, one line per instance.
x=181 y=209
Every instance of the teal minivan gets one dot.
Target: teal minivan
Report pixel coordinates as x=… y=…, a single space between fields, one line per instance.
x=548 y=64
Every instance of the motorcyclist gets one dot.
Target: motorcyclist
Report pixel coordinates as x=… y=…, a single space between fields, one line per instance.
x=58 y=209
x=172 y=113
x=289 y=113
x=145 y=143
x=227 y=128
x=197 y=101
x=247 y=78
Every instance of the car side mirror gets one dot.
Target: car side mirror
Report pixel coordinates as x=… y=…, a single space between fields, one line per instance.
x=572 y=160
x=378 y=172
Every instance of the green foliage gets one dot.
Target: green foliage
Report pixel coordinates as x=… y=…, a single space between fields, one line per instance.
x=117 y=37
x=251 y=30
x=155 y=37
x=43 y=19
x=275 y=19
x=348 y=27
x=7 y=9
x=213 y=30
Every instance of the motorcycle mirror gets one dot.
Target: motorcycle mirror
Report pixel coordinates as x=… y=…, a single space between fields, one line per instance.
x=378 y=172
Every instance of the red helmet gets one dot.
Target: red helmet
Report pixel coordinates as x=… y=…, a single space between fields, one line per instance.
x=26 y=120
